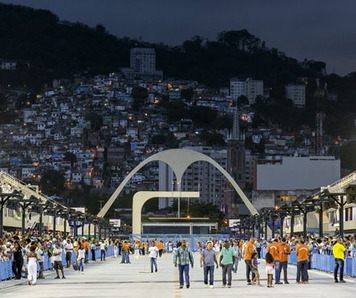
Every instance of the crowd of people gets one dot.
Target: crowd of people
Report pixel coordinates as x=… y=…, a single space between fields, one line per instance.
x=228 y=253
x=26 y=251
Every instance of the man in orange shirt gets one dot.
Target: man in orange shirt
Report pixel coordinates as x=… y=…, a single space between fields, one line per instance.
x=302 y=265
x=86 y=247
x=125 y=253
x=160 y=248
x=248 y=250
x=275 y=250
x=285 y=252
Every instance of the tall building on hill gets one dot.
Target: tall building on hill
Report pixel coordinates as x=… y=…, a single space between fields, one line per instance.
x=235 y=167
x=253 y=89
x=237 y=88
x=142 y=64
x=249 y=88
x=143 y=60
x=297 y=94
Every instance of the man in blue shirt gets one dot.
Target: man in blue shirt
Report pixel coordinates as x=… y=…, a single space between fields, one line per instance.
x=208 y=257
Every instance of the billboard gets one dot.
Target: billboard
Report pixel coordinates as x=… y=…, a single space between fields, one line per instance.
x=233 y=223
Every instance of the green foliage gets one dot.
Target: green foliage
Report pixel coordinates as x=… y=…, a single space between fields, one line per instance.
x=62 y=48
x=167 y=139
x=176 y=110
x=203 y=117
x=213 y=138
x=187 y=94
x=198 y=209
x=242 y=100
x=151 y=205
x=95 y=119
x=69 y=156
x=52 y=182
x=139 y=93
x=222 y=122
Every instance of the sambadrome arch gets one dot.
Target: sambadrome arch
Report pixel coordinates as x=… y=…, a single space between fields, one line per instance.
x=179 y=160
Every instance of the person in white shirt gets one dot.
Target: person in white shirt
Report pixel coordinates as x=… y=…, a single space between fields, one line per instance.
x=102 y=250
x=68 y=250
x=153 y=250
x=81 y=258
x=57 y=258
x=40 y=257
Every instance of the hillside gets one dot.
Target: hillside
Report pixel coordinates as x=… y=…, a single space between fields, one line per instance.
x=60 y=48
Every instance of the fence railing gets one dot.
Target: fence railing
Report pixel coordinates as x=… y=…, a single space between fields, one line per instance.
x=323 y=261
x=6 y=266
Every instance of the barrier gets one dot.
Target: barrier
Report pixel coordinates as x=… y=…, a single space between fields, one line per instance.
x=6 y=266
x=192 y=239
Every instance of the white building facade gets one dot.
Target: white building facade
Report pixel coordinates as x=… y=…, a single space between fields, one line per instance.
x=292 y=173
x=296 y=93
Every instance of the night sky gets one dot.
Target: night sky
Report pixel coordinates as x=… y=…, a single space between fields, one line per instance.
x=315 y=29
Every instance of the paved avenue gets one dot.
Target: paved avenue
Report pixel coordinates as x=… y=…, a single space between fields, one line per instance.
x=112 y=279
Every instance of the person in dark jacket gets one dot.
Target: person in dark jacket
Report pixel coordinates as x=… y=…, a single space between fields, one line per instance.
x=18 y=260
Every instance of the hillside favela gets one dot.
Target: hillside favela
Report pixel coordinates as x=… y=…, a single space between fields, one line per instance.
x=154 y=156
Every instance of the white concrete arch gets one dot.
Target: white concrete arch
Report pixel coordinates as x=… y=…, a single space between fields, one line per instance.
x=179 y=160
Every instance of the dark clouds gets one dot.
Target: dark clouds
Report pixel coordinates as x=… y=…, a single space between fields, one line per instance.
x=314 y=29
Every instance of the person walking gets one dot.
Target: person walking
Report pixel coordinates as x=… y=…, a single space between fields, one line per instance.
x=285 y=252
x=302 y=265
x=92 y=248
x=40 y=257
x=69 y=250
x=102 y=250
x=116 y=249
x=153 y=250
x=86 y=248
x=248 y=250
x=57 y=258
x=125 y=253
x=269 y=269
x=32 y=266
x=237 y=250
x=137 y=250
x=160 y=248
x=339 y=254
x=258 y=248
x=81 y=258
x=275 y=250
x=255 y=263
x=181 y=258
x=227 y=259
x=18 y=260
x=208 y=258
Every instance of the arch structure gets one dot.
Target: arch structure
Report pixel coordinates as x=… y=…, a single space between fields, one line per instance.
x=179 y=160
x=141 y=197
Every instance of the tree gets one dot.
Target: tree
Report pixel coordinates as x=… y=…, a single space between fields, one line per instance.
x=52 y=182
x=187 y=94
x=242 y=100
x=95 y=119
x=139 y=93
x=69 y=156
x=213 y=138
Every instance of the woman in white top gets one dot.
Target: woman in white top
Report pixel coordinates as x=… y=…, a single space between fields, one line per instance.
x=81 y=258
x=116 y=249
x=137 y=250
x=32 y=266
